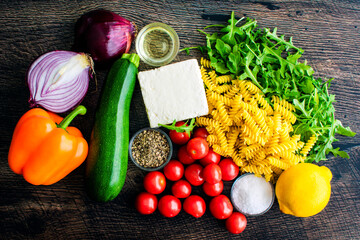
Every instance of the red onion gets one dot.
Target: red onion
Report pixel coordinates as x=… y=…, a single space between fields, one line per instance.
x=104 y=35
x=59 y=80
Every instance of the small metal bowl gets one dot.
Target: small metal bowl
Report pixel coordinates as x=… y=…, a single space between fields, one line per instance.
x=239 y=209
x=149 y=169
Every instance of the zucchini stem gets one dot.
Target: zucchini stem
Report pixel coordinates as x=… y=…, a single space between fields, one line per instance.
x=133 y=58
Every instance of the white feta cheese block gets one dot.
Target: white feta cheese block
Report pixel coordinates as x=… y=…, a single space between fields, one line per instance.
x=173 y=92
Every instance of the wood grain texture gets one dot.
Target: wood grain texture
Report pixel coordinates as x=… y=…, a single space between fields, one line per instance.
x=328 y=31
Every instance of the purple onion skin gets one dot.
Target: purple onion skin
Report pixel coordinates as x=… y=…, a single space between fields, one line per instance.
x=104 y=35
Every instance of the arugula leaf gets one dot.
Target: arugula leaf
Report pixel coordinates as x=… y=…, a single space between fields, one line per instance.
x=223 y=48
x=281 y=39
x=187 y=49
x=234 y=62
x=344 y=131
x=336 y=152
x=301 y=107
x=184 y=128
x=220 y=67
x=307 y=86
x=230 y=29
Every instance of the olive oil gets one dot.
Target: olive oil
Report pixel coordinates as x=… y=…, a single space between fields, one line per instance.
x=157 y=44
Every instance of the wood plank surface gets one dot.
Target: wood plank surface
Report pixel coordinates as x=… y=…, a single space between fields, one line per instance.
x=328 y=31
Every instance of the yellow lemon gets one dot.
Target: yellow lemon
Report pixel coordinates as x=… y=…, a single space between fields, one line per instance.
x=304 y=189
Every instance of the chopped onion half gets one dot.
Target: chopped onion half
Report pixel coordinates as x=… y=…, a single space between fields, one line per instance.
x=59 y=80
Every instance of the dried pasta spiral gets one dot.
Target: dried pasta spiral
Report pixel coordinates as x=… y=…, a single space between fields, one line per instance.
x=203 y=121
x=282 y=147
x=300 y=145
x=206 y=79
x=212 y=76
x=277 y=121
x=252 y=87
x=214 y=96
x=285 y=113
x=260 y=120
x=223 y=113
x=249 y=151
x=212 y=139
x=284 y=135
x=221 y=139
x=253 y=136
x=278 y=163
x=232 y=137
x=222 y=88
x=290 y=157
x=283 y=103
x=273 y=141
x=224 y=79
x=232 y=92
x=249 y=120
x=238 y=160
x=309 y=144
x=221 y=116
x=236 y=104
x=205 y=63
x=219 y=150
x=263 y=103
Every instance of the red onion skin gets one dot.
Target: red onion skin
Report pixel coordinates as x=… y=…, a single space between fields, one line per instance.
x=104 y=35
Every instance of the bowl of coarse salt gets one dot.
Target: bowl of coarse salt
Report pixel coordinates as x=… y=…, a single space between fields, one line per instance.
x=252 y=195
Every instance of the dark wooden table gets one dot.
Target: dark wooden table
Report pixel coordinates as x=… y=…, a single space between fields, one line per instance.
x=328 y=31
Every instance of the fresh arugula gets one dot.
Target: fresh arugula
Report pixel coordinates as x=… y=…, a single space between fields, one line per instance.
x=272 y=63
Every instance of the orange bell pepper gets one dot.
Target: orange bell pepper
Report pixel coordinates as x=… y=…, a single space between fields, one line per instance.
x=44 y=151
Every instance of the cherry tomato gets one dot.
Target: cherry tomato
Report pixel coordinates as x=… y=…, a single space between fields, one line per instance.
x=154 y=182
x=169 y=206
x=229 y=169
x=184 y=157
x=211 y=157
x=174 y=170
x=193 y=173
x=236 y=223
x=146 y=203
x=200 y=132
x=197 y=148
x=213 y=190
x=212 y=173
x=179 y=137
x=195 y=206
x=221 y=207
x=181 y=189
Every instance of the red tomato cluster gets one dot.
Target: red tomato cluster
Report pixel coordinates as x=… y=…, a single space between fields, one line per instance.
x=210 y=172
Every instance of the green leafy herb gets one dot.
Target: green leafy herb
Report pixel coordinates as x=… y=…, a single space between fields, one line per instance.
x=187 y=50
x=184 y=128
x=272 y=63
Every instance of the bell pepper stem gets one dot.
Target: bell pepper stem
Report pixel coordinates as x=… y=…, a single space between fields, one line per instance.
x=67 y=120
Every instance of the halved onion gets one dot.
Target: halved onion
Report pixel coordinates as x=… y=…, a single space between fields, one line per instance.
x=59 y=80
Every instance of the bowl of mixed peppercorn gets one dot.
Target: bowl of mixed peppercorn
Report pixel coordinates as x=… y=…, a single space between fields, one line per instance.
x=150 y=149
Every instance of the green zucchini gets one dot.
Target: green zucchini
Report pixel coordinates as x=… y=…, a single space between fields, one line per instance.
x=106 y=164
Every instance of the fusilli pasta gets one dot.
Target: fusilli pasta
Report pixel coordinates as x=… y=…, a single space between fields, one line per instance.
x=246 y=128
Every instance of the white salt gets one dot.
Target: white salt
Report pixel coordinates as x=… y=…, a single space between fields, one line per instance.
x=252 y=195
